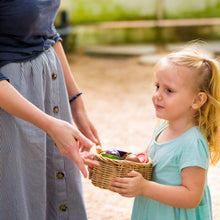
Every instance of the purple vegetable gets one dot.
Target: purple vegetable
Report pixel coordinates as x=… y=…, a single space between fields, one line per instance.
x=113 y=151
x=122 y=153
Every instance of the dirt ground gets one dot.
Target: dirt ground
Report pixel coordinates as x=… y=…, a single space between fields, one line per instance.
x=117 y=92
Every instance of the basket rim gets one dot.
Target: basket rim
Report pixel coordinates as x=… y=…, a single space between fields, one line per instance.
x=124 y=162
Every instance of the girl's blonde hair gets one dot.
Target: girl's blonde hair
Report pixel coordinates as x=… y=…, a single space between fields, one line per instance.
x=208 y=81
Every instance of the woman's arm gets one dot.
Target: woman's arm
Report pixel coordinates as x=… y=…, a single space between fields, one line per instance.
x=63 y=134
x=77 y=106
x=186 y=196
x=14 y=103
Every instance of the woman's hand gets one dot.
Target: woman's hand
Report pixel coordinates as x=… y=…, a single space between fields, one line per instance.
x=88 y=159
x=84 y=124
x=90 y=170
x=63 y=134
x=91 y=166
x=130 y=186
x=77 y=106
x=70 y=141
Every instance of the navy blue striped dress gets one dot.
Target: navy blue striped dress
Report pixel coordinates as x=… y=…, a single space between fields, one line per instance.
x=36 y=181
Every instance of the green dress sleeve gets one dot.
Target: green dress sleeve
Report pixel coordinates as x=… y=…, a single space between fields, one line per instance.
x=195 y=151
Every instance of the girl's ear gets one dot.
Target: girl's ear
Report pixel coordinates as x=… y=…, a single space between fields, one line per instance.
x=199 y=100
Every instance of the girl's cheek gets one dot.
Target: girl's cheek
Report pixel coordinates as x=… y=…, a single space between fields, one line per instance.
x=153 y=98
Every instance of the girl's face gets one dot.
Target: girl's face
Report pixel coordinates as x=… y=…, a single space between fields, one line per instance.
x=174 y=94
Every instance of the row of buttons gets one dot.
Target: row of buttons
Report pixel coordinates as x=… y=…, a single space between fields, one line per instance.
x=56 y=108
x=60 y=175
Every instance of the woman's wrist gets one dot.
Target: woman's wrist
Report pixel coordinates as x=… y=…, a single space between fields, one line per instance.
x=78 y=105
x=75 y=97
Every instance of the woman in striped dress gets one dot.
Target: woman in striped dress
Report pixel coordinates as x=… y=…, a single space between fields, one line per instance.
x=39 y=146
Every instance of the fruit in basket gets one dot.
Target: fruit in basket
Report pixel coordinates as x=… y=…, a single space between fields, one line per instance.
x=99 y=149
x=132 y=157
x=115 y=154
x=143 y=157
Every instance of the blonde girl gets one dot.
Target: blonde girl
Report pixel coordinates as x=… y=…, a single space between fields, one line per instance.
x=187 y=99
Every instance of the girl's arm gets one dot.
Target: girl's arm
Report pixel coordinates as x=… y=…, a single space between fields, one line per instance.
x=77 y=106
x=187 y=196
x=146 y=150
x=63 y=133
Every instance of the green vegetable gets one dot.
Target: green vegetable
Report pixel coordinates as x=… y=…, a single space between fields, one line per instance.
x=110 y=156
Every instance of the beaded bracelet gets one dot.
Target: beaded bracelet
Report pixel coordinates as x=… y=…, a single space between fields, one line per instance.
x=80 y=93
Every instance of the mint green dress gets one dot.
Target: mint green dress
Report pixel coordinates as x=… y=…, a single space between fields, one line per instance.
x=189 y=149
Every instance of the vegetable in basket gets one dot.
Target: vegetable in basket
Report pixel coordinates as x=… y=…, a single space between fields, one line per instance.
x=123 y=155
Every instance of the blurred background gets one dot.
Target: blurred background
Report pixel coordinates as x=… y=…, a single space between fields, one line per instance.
x=111 y=22
x=112 y=47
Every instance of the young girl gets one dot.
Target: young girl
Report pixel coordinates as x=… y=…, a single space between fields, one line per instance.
x=187 y=98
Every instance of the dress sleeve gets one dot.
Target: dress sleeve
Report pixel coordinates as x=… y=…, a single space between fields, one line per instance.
x=194 y=153
x=56 y=36
x=2 y=77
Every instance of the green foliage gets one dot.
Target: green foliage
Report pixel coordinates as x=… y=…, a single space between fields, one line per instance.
x=86 y=11
x=208 y=12
x=89 y=11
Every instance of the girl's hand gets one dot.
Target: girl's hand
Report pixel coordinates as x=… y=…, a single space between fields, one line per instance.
x=130 y=186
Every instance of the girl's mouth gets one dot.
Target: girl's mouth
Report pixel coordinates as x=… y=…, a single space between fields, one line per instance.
x=158 y=107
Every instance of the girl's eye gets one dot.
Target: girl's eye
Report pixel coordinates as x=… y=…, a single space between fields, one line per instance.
x=157 y=86
x=169 y=90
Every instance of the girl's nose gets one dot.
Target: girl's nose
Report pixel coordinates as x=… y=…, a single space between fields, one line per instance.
x=158 y=95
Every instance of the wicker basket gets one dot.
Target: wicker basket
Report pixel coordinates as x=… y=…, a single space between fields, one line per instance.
x=103 y=175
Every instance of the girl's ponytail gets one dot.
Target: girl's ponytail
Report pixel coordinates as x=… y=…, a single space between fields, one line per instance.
x=209 y=119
